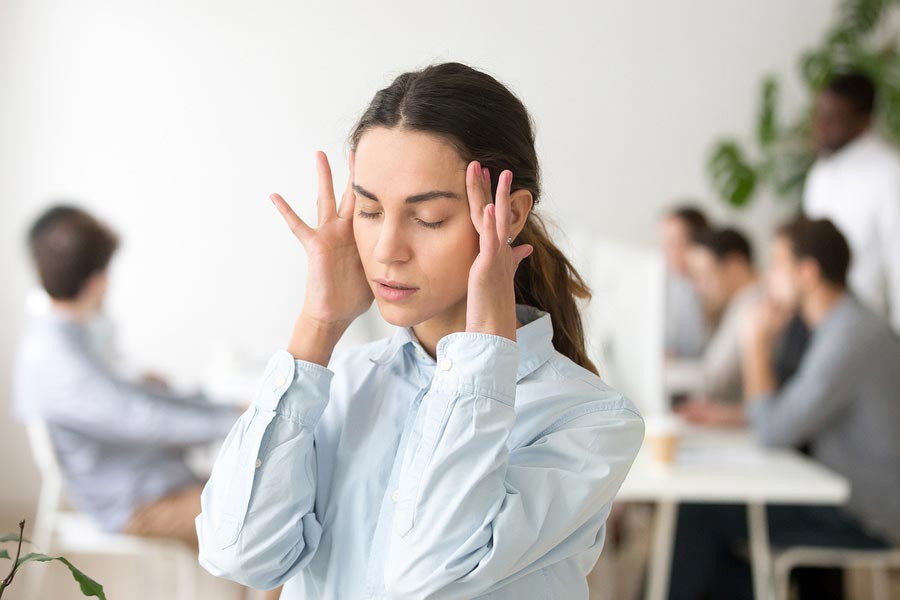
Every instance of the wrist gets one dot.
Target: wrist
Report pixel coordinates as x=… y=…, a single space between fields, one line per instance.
x=313 y=340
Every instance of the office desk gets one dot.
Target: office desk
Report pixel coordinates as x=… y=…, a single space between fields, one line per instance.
x=725 y=466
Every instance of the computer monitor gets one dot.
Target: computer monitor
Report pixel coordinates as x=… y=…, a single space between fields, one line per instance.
x=624 y=322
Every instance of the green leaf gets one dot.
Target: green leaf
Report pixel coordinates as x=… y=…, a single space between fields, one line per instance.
x=767 y=129
x=817 y=68
x=861 y=16
x=733 y=178
x=13 y=537
x=4 y=554
x=89 y=587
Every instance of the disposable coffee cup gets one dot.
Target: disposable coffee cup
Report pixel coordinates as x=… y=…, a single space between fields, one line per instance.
x=663 y=433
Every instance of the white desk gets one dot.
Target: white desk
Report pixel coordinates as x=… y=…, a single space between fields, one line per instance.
x=726 y=466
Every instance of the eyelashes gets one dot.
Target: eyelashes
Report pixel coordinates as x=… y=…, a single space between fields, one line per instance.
x=427 y=224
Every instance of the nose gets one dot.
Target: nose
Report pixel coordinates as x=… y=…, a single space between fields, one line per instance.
x=391 y=245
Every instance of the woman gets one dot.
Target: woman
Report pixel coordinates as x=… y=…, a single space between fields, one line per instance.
x=474 y=453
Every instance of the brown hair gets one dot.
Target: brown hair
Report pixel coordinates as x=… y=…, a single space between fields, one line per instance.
x=485 y=121
x=68 y=246
x=692 y=217
x=821 y=241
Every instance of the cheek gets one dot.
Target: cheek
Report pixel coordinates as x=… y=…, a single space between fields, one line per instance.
x=446 y=255
x=366 y=237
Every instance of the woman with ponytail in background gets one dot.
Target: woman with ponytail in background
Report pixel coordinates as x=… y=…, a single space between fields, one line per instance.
x=473 y=453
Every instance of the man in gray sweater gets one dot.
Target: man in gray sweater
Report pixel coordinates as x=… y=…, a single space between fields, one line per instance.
x=843 y=403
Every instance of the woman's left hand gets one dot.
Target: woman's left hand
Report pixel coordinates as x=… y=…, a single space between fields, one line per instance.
x=491 y=301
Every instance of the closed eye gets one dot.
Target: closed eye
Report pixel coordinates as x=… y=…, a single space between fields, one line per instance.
x=374 y=215
x=428 y=224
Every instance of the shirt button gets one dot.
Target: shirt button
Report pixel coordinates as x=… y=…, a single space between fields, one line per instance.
x=395 y=495
x=279 y=380
x=446 y=363
x=258 y=463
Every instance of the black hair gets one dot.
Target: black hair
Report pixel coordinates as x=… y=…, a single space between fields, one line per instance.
x=857 y=88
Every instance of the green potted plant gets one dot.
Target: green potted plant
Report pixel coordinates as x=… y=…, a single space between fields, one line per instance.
x=781 y=156
x=89 y=587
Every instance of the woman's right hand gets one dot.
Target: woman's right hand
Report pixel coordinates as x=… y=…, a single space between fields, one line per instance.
x=337 y=290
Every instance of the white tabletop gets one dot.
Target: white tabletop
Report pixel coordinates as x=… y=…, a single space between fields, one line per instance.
x=727 y=466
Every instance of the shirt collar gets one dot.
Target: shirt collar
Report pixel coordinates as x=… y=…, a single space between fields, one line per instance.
x=534 y=337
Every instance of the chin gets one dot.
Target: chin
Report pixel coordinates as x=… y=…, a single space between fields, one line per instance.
x=401 y=316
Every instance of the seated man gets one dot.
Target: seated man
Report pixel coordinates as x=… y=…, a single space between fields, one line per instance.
x=842 y=403
x=721 y=263
x=687 y=330
x=120 y=443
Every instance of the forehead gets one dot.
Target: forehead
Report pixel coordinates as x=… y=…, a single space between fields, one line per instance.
x=402 y=162
x=701 y=255
x=827 y=100
x=781 y=249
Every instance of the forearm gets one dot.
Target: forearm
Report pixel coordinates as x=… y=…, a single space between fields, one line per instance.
x=758 y=374
x=257 y=524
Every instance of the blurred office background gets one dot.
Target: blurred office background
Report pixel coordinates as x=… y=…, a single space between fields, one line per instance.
x=173 y=121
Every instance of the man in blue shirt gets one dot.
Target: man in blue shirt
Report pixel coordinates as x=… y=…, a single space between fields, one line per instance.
x=120 y=443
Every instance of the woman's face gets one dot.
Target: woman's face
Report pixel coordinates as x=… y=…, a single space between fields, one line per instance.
x=412 y=225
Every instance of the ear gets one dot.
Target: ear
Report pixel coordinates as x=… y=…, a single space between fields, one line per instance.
x=520 y=204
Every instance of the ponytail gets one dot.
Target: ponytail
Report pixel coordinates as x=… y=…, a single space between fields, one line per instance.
x=548 y=281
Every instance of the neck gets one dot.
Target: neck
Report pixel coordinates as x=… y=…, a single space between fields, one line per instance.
x=818 y=303
x=73 y=309
x=742 y=281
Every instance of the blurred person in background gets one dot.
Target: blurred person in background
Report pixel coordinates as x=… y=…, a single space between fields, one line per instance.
x=855 y=182
x=721 y=265
x=120 y=443
x=687 y=328
x=842 y=403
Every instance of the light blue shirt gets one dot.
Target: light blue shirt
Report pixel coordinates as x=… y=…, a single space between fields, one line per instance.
x=488 y=472
x=120 y=444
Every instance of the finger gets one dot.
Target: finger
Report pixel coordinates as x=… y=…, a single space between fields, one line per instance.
x=325 y=203
x=522 y=252
x=475 y=194
x=502 y=202
x=486 y=185
x=488 y=241
x=345 y=210
x=300 y=229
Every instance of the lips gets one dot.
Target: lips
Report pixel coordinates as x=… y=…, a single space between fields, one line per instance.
x=393 y=291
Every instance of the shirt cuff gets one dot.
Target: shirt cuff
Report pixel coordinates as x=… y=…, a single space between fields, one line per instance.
x=757 y=410
x=294 y=389
x=479 y=363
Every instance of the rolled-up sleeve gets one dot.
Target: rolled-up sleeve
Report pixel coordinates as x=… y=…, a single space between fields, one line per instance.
x=472 y=515
x=257 y=524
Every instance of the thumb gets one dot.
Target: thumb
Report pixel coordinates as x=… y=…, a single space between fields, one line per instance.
x=522 y=252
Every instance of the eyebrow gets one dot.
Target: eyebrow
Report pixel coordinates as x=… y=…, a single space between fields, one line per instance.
x=411 y=199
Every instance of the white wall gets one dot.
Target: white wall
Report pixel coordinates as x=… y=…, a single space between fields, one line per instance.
x=175 y=119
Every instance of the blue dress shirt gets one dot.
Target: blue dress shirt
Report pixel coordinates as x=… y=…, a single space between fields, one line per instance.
x=488 y=472
x=120 y=444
